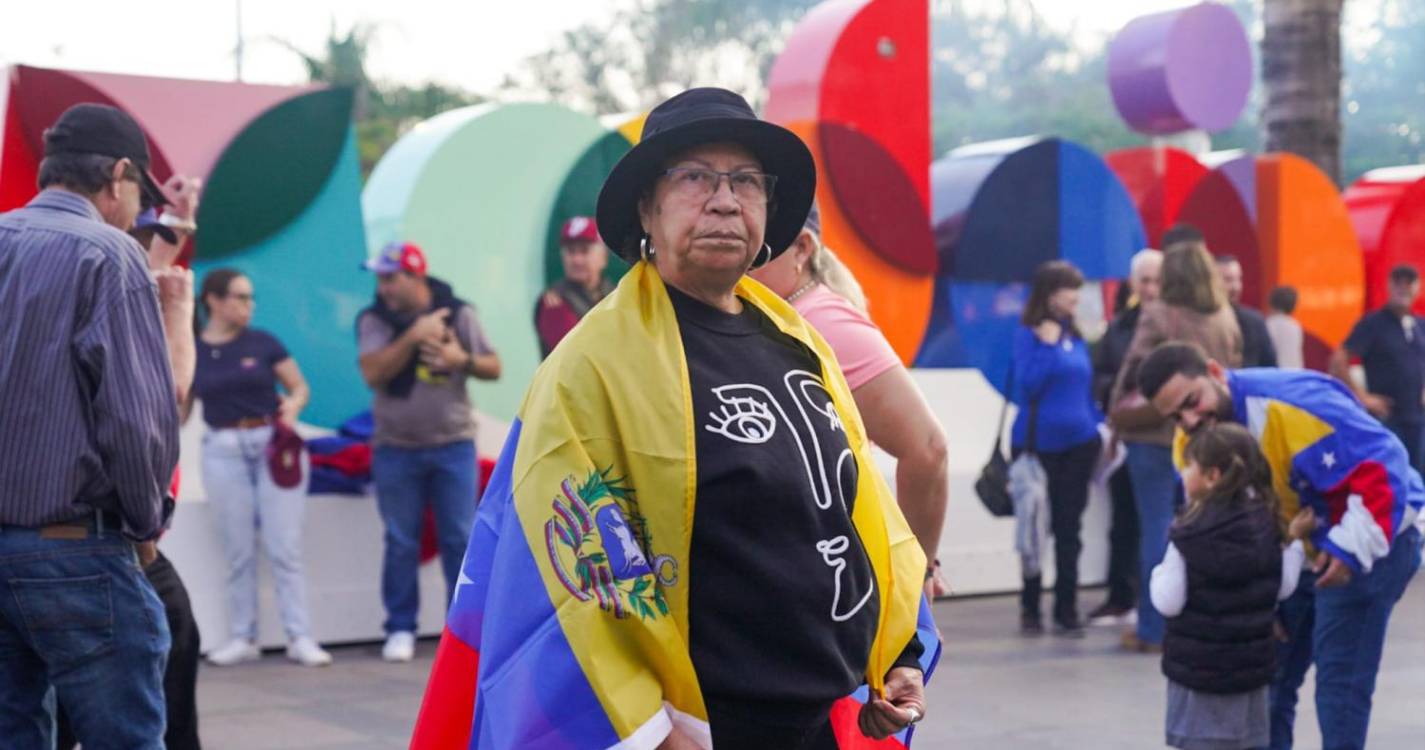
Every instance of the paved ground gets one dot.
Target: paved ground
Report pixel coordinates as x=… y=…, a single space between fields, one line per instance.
x=994 y=690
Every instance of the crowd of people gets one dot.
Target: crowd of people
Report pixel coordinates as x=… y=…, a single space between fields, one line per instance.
x=1263 y=516
x=1223 y=432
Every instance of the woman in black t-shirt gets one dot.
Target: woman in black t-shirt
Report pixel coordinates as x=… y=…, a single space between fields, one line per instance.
x=800 y=578
x=239 y=370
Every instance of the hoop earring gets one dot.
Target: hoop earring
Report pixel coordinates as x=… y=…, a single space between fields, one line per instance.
x=764 y=256
x=646 y=249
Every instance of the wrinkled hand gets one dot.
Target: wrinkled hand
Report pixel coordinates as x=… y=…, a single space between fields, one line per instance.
x=1379 y=406
x=935 y=584
x=676 y=740
x=1337 y=573
x=183 y=193
x=445 y=356
x=1049 y=331
x=903 y=704
x=148 y=552
x=175 y=290
x=431 y=327
x=1302 y=525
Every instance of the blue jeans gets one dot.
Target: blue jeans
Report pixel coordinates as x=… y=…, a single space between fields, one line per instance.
x=408 y=480
x=1349 y=638
x=1297 y=615
x=78 y=615
x=247 y=505
x=1155 y=487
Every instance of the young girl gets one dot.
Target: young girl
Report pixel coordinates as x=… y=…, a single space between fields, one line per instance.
x=1218 y=585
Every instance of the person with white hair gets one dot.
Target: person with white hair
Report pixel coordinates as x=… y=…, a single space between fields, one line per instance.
x=1144 y=285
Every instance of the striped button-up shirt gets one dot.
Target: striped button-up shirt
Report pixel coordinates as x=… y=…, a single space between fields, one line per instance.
x=88 y=418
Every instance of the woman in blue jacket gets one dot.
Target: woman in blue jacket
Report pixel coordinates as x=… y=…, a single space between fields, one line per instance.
x=1053 y=380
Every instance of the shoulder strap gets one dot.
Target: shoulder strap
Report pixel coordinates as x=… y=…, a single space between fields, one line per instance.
x=1004 y=410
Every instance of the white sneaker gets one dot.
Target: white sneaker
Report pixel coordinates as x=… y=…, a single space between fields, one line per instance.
x=400 y=646
x=306 y=652
x=236 y=651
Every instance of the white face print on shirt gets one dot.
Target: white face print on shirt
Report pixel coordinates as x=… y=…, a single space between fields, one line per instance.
x=748 y=417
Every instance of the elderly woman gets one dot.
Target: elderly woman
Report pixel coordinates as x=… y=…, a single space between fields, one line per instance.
x=814 y=281
x=686 y=542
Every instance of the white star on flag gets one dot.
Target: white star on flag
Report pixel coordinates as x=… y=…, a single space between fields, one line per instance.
x=1328 y=459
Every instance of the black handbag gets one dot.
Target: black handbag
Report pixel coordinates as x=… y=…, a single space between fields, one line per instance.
x=993 y=484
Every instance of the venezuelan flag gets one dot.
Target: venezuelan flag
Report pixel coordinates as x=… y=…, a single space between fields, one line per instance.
x=569 y=626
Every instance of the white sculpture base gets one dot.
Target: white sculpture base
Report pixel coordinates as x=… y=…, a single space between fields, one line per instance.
x=343 y=534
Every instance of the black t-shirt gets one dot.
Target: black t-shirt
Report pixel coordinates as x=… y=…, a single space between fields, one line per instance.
x=783 y=598
x=235 y=380
x=1392 y=351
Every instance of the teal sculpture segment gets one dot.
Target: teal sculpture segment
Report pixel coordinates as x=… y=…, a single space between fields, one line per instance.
x=577 y=196
x=394 y=178
x=272 y=171
x=309 y=289
x=474 y=188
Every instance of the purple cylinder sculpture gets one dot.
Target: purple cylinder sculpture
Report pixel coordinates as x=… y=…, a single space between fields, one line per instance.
x=1182 y=69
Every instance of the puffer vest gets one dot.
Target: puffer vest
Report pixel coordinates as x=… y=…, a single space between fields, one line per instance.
x=1223 y=641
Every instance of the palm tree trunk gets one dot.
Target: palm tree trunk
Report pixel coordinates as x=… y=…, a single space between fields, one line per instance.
x=1301 y=75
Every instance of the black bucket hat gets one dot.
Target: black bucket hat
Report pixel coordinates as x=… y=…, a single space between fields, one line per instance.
x=692 y=118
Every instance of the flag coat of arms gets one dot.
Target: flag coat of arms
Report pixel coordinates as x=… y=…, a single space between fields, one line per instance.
x=569 y=626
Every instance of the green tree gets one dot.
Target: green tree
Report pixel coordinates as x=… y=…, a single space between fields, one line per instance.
x=1384 y=86
x=651 y=49
x=382 y=112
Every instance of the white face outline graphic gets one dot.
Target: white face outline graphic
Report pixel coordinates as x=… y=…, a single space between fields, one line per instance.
x=747 y=417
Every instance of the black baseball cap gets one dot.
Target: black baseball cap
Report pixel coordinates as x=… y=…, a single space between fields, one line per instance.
x=105 y=131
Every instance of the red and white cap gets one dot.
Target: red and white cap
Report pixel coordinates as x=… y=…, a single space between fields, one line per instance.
x=398 y=256
x=579 y=229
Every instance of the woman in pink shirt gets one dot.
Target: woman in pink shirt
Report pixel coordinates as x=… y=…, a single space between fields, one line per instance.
x=897 y=417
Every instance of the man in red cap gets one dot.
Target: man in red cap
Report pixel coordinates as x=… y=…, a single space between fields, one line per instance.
x=570 y=298
x=418 y=343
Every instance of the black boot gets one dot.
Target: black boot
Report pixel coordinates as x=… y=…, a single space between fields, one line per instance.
x=1030 y=622
x=1066 y=608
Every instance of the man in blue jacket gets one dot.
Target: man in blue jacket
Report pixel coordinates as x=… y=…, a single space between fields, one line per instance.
x=1329 y=454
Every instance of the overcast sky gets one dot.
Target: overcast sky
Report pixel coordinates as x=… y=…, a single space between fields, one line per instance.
x=469 y=43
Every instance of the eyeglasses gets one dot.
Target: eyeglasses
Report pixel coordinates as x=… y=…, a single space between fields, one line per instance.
x=697 y=184
x=241 y=297
x=132 y=174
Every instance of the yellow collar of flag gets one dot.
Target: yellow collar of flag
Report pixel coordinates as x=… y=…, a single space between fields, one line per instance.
x=608 y=433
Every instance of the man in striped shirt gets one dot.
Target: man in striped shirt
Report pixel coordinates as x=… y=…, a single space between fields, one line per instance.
x=88 y=442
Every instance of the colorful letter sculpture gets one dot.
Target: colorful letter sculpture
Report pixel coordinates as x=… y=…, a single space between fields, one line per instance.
x=1283 y=219
x=1159 y=180
x=476 y=188
x=854 y=83
x=1387 y=208
x=579 y=192
x=281 y=202
x=1001 y=209
x=1185 y=69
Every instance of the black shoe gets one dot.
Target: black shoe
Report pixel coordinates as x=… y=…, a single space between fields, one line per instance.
x=1068 y=627
x=1030 y=624
x=1109 y=610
